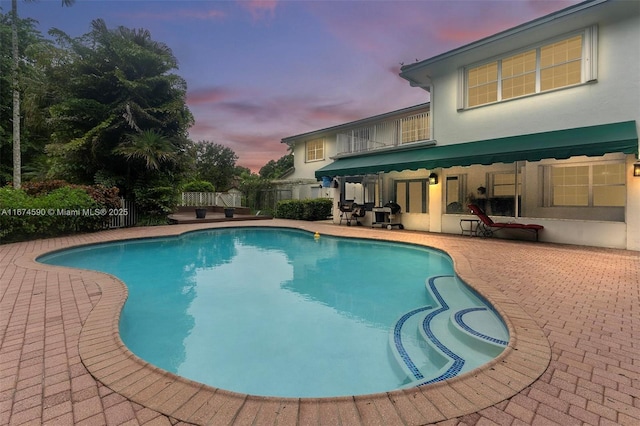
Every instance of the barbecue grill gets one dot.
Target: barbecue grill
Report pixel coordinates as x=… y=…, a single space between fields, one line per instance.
x=387 y=215
x=350 y=210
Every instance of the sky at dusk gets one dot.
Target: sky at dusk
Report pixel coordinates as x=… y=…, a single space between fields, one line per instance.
x=261 y=70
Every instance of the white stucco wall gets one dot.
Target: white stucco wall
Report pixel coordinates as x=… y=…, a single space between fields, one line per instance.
x=633 y=208
x=613 y=98
x=306 y=170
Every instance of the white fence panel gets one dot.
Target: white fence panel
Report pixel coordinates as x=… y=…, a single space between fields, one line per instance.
x=221 y=199
x=126 y=216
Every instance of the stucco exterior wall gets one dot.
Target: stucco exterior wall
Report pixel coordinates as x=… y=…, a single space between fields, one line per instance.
x=613 y=98
x=306 y=170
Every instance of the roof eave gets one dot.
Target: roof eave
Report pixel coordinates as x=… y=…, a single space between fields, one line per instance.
x=407 y=110
x=407 y=70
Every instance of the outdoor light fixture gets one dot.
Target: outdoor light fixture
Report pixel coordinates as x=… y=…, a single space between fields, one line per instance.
x=636 y=169
x=433 y=179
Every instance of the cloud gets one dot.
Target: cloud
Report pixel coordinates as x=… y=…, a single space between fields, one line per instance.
x=253 y=127
x=208 y=95
x=259 y=9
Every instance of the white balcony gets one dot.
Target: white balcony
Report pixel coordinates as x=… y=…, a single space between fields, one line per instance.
x=385 y=134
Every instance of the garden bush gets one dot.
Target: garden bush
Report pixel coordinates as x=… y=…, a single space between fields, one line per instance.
x=311 y=209
x=199 y=186
x=54 y=212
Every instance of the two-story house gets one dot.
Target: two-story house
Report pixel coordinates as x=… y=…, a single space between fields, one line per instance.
x=538 y=123
x=380 y=133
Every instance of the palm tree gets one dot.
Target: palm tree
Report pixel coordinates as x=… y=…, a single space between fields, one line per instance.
x=17 y=158
x=150 y=146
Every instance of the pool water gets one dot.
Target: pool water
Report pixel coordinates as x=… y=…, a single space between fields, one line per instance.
x=277 y=312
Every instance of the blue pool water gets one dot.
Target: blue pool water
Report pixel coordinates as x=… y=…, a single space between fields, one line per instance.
x=278 y=312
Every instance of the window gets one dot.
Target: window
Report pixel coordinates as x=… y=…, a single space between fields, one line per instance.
x=455 y=190
x=504 y=184
x=549 y=66
x=597 y=185
x=411 y=195
x=315 y=150
x=608 y=185
x=482 y=84
x=519 y=75
x=561 y=63
x=414 y=128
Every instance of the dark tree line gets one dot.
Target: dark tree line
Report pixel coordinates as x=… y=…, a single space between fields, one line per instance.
x=105 y=108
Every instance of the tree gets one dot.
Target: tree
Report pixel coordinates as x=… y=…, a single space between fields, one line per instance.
x=15 y=77
x=215 y=163
x=31 y=46
x=149 y=147
x=275 y=169
x=121 y=86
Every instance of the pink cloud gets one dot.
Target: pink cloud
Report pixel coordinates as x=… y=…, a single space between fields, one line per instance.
x=253 y=128
x=259 y=9
x=208 y=96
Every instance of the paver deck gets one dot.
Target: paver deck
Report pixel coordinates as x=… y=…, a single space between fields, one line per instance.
x=574 y=355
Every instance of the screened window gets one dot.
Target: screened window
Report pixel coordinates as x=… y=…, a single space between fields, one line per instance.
x=598 y=185
x=315 y=150
x=546 y=67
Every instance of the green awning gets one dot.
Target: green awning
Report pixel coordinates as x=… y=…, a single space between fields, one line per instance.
x=559 y=144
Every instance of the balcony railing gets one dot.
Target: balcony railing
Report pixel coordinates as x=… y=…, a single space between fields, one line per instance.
x=385 y=134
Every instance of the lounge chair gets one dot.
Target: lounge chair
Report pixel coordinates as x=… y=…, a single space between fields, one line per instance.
x=488 y=226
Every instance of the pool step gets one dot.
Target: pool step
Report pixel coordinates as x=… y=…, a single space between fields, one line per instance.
x=459 y=334
x=416 y=358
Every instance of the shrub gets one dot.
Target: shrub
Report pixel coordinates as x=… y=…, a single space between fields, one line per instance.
x=313 y=209
x=157 y=200
x=12 y=223
x=199 y=186
x=60 y=211
x=106 y=197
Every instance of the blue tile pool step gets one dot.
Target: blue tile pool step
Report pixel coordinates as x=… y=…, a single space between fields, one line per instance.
x=461 y=332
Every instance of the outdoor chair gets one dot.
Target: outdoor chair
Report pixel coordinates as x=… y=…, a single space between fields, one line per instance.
x=488 y=226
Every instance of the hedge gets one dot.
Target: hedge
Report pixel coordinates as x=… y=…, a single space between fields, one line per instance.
x=311 y=209
x=54 y=212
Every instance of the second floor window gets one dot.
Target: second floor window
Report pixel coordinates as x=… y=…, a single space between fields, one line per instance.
x=552 y=65
x=315 y=150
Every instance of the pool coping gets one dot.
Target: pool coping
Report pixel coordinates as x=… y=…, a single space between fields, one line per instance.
x=109 y=361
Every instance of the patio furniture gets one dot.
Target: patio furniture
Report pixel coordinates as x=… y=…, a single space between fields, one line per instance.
x=471 y=229
x=387 y=216
x=349 y=210
x=488 y=226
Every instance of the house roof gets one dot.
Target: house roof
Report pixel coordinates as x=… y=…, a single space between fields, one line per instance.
x=357 y=123
x=415 y=73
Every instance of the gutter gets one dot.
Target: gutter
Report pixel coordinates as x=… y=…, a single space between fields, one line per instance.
x=499 y=36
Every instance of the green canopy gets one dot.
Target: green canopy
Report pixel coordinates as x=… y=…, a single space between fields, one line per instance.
x=591 y=141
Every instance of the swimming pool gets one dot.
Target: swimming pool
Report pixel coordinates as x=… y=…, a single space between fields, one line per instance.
x=280 y=313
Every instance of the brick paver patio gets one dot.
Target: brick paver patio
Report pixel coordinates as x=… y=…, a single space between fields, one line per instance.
x=574 y=356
